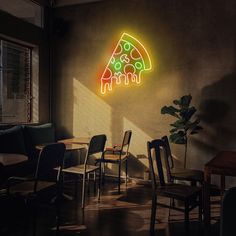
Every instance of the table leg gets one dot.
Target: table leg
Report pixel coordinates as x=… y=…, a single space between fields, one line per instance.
x=207 y=202
x=222 y=186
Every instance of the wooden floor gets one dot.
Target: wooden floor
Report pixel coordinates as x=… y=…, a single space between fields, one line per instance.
x=127 y=214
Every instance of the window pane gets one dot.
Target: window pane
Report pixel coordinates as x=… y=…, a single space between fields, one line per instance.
x=15 y=81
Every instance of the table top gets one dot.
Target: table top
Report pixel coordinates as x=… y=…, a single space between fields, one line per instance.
x=7 y=159
x=224 y=162
x=69 y=146
x=76 y=140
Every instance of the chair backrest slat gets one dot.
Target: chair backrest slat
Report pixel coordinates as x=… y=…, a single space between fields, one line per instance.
x=51 y=156
x=154 y=154
x=96 y=145
x=126 y=142
x=168 y=151
x=169 y=163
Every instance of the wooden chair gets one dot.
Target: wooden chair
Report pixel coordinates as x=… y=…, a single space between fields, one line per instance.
x=47 y=175
x=194 y=176
x=228 y=208
x=96 y=146
x=191 y=196
x=117 y=155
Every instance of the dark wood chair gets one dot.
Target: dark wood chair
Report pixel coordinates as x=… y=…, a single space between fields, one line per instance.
x=117 y=155
x=228 y=208
x=191 y=175
x=191 y=196
x=45 y=187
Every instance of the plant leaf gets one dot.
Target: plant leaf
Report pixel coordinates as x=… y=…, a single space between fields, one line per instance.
x=173 y=130
x=179 y=124
x=177 y=102
x=185 y=101
x=196 y=129
x=187 y=114
x=170 y=110
x=178 y=138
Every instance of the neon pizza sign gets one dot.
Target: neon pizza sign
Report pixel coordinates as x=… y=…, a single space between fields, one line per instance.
x=129 y=59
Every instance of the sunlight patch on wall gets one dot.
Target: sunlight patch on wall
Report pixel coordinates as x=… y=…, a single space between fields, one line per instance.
x=138 y=145
x=91 y=115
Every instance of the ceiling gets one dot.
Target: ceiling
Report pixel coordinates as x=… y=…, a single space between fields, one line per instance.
x=60 y=3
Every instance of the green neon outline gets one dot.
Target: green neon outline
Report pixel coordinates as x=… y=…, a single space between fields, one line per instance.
x=138 y=65
x=127 y=45
x=115 y=66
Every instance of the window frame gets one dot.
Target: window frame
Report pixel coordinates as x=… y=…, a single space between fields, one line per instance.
x=29 y=112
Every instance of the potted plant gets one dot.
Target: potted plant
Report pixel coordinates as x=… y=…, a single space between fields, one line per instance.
x=186 y=123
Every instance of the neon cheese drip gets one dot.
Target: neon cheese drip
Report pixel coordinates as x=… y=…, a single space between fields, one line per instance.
x=129 y=59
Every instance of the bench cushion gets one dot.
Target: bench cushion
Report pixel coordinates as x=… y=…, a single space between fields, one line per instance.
x=12 y=140
x=38 y=134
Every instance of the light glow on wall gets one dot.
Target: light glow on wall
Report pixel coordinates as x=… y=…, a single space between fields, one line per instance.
x=129 y=59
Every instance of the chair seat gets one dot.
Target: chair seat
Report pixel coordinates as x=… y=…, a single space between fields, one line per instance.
x=178 y=191
x=79 y=169
x=114 y=158
x=26 y=188
x=187 y=174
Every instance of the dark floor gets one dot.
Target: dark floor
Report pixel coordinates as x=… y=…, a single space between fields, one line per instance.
x=126 y=214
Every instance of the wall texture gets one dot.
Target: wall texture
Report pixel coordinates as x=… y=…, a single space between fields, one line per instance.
x=193 y=49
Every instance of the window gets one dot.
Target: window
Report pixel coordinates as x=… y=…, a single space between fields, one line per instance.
x=15 y=83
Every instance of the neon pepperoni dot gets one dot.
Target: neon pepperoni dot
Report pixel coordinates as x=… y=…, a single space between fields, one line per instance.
x=129 y=68
x=135 y=55
x=127 y=46
x=118 y=50
x=117 y=65
x=107 y=73
x=138 y=65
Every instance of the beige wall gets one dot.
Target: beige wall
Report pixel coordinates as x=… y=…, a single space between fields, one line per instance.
x=192 y=47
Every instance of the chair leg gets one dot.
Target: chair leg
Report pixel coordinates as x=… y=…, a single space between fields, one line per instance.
x=94 y=182
x=99 y=181
x=153 y=213
x=88 y=182
x=119 y=170
x=126 y=171
x=222 y=186
x=103 y=173
x=170 y=204
x=83 y=191
x=186 y=215
x=200 y=207
x=58 y=204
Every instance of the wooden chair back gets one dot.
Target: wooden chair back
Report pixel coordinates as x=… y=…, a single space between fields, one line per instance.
x=50 y=157
x=154 y=156
x=96 y=145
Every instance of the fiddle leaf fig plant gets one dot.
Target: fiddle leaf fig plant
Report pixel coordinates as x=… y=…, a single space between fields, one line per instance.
x=186 y=123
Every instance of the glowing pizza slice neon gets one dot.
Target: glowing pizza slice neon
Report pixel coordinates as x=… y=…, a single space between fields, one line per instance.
x=129 y=59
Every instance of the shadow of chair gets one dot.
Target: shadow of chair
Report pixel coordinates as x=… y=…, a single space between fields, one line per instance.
x=36 y=189
x=96 y=146
x=191 y=175
x=227 y=216
x=191 y=196
x=117 y=155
